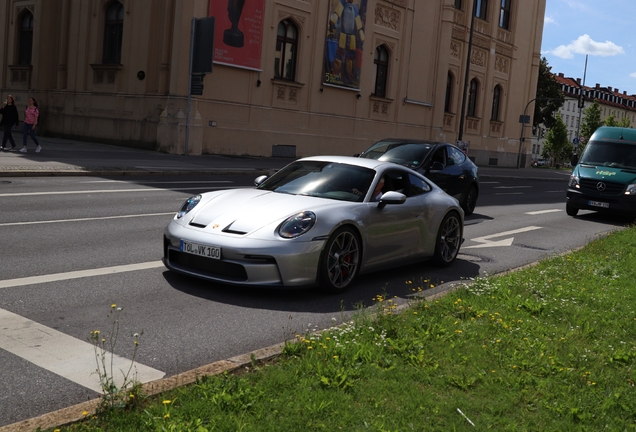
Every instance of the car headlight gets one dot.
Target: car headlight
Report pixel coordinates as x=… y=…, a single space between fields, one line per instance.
x=188 y=205
x=297 y=224
x=631 y=189
x=574 y=182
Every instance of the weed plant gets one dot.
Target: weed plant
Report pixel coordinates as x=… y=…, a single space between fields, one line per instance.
x=549 y=348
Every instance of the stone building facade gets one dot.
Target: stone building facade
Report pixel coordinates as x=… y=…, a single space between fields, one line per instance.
x=117 y=71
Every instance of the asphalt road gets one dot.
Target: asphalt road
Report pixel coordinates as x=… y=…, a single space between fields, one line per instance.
x=110 y=230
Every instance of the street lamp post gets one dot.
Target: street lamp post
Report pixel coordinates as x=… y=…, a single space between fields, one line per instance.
x=523 y=124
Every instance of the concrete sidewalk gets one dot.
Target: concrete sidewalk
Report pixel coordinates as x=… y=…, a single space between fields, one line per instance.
x=65 y=157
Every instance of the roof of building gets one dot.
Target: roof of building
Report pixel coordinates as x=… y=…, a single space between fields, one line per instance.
x=605 y=95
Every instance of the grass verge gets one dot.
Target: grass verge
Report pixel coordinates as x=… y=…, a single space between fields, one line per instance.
x=551 y=347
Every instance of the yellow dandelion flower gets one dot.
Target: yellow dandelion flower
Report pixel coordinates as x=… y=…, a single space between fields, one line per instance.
x=498 y=340
x=167 y=401
x=309 y=347
x=85 y=413
x=131 y=396
x=335 y=357
x=167 y=415
x=113 y=306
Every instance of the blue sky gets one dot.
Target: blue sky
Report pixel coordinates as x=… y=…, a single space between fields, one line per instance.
x=603 y=29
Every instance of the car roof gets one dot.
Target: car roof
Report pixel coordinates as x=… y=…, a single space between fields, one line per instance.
x=373 y=164
x=610 y=133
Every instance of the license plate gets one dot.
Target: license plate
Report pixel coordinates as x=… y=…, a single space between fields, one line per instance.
x=598 y=204
x=201 y=250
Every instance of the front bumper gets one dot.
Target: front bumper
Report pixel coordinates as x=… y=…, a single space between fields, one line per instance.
x=623 y=204
x=244 y=261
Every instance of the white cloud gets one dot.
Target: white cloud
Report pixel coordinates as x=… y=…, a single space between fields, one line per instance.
x=585 y=45
x=633 y=74
x=549 y=20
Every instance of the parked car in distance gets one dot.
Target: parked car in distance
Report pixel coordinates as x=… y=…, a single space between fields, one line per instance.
x=319 y=220
x=443 y=163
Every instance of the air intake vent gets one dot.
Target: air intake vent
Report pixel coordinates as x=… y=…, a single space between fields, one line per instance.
x=197 y=225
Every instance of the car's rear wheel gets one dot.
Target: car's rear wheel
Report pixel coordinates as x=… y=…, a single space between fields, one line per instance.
x=340 y=260
x=449 y=239
x=470 y=200
x=571 y=211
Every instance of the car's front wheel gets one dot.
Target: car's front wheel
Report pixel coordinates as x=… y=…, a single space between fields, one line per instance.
x=340 y=260
x=449 y=239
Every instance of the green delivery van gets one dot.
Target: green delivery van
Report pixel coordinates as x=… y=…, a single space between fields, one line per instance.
x=604 y=179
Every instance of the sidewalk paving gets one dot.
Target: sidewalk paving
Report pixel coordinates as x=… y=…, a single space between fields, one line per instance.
x=65 y=157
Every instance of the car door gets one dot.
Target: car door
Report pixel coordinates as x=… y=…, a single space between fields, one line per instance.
x=394 y=231
x=446 y=173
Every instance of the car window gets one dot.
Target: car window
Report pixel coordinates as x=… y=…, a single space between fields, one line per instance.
x=408 y=154
x=455 y=156
x=417 y=186
x=611 y=154
x=322 y=179
x=439 y=156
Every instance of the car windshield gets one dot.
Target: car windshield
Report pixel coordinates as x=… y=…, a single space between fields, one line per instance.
x=611 y=154
x=321 y=179
x=408 y=154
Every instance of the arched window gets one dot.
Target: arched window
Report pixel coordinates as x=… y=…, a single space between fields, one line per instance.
x=26 y=38
x=504 y=14
x=286 y=48
x=381 y=62
x=481 y=8
x=472 y=98
x=496 y=100
x=113 y=30
x=449 y=93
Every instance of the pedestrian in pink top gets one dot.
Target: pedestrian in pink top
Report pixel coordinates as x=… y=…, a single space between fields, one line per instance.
x=30 y=122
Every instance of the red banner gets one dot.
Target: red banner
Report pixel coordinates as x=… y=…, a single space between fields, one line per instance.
x=238 y=32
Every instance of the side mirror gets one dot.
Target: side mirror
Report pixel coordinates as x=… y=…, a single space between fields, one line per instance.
x=437 y=166
x=356 y=155
x=575 y=160
x=392 y=197
x=259 y=180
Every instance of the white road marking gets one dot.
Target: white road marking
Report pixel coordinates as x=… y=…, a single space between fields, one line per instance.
x=556 y=191
x=88 y=192
x=159 y=182
x=86 y=219
x=509 y=193
x=512 y=187
x=64 y=355
x=491 y=182
x=486 y=242
x=56 y=277
x=543 y=212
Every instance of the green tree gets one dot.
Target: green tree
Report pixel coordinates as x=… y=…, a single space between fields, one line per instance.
x=612 y=121
x=549 y=96
x=557 y=146
x=591 y=122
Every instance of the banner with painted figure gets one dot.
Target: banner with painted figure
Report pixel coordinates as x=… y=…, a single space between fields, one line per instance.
x=238 y=33
x=345 y=42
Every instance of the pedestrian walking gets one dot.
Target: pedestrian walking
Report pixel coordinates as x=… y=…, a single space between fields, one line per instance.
x=9 y=120
x=30 y=122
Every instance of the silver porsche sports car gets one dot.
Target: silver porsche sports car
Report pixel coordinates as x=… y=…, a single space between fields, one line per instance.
x=319 y=220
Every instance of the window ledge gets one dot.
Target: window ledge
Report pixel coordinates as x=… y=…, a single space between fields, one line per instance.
x=289 y=83
x=106 y=66
x=105 y=73
x=380 y=98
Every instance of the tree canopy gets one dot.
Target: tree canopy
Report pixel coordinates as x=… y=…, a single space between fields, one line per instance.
x=557 y=146
x=549 y=96
x=591 y=122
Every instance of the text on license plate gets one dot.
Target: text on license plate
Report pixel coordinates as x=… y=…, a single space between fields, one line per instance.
x=598 y=204
x=201 y=250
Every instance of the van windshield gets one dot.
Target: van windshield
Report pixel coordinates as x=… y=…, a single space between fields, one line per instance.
x=610 y=154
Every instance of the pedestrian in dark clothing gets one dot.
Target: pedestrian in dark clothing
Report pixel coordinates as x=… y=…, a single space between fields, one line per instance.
x=9 y=119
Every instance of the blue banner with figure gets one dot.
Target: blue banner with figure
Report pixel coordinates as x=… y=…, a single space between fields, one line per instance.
x=345 y=42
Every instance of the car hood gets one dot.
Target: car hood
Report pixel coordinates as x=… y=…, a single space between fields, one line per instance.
x=242 y=211
x=616 y=175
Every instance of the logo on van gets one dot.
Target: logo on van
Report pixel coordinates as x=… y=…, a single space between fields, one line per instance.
x=600 y=186
x=606 y=173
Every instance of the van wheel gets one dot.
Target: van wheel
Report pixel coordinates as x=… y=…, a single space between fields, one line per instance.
x=571 y=211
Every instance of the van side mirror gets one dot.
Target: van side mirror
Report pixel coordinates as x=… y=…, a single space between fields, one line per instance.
x=575 y=160
x=437 y=166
